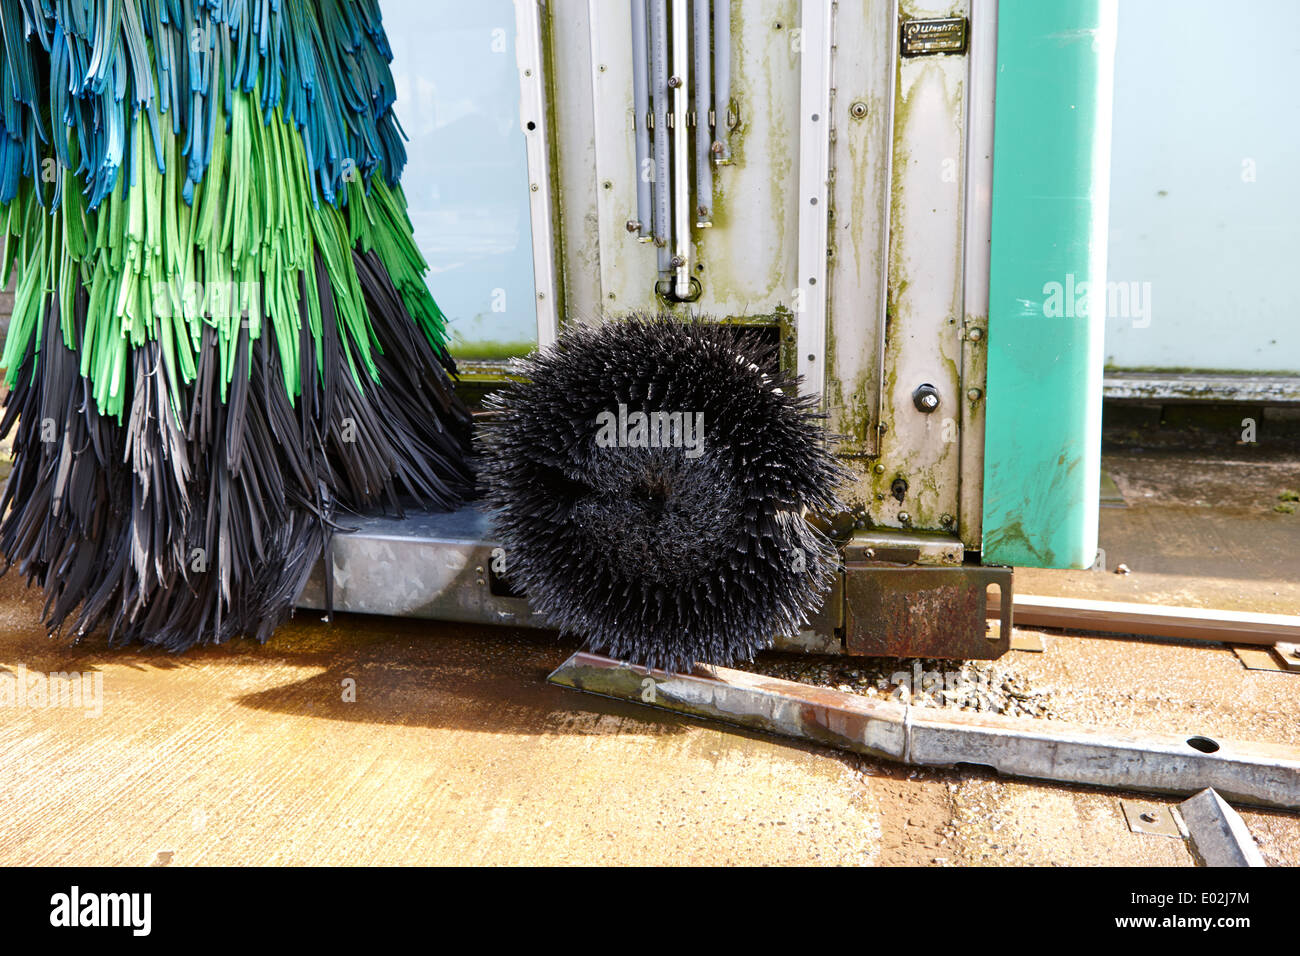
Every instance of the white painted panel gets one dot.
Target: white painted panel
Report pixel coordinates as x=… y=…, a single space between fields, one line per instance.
x=1205 y=191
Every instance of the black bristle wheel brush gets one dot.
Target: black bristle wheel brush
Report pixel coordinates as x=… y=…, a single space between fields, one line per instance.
x=649 y=480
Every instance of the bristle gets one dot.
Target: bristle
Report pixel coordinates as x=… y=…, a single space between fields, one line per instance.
x=182 y=457
x=661 y=556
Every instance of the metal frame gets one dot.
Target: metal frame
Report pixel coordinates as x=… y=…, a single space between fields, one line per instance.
x=857 y=282
x=817 y=25
x=882 y=304
x=533 y=120
x=977 y=226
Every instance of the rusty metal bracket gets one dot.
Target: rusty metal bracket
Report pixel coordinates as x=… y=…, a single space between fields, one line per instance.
x=926 y=611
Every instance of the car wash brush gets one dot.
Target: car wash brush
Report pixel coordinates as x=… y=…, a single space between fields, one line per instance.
x=650 y=481
x=221 y=339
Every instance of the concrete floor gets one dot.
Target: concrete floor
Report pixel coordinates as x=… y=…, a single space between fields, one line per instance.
x=456 y=751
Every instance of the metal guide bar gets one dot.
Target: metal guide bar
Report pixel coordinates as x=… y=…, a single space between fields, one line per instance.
x=1263 y=774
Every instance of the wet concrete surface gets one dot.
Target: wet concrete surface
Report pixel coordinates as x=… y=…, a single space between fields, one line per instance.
x=455 y=750
x=1196 y=528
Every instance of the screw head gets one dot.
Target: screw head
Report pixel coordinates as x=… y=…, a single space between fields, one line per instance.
x=945 y=520
x=674 y=82
x=880 y=468
x=633 y=225
x=858 y=110
x=974 y=394
x=904 y=517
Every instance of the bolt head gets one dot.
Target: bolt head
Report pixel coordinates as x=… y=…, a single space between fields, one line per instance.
x=904 y=517
x=926 y=398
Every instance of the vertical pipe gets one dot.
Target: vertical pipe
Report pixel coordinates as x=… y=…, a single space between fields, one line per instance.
x=681 y=149
x=663 y=217
x=721 y=78
x=703 y=103
x=641 y=101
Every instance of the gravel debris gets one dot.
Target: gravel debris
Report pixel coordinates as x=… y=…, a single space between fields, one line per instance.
x=983 y=686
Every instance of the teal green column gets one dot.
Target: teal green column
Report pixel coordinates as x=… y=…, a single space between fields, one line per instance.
x=1047 y=281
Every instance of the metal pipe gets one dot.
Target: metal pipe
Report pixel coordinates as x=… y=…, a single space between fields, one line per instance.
x=703 y=103
x=641 y=101
x=663 y=216
x=721 y=80
x=681 y=150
